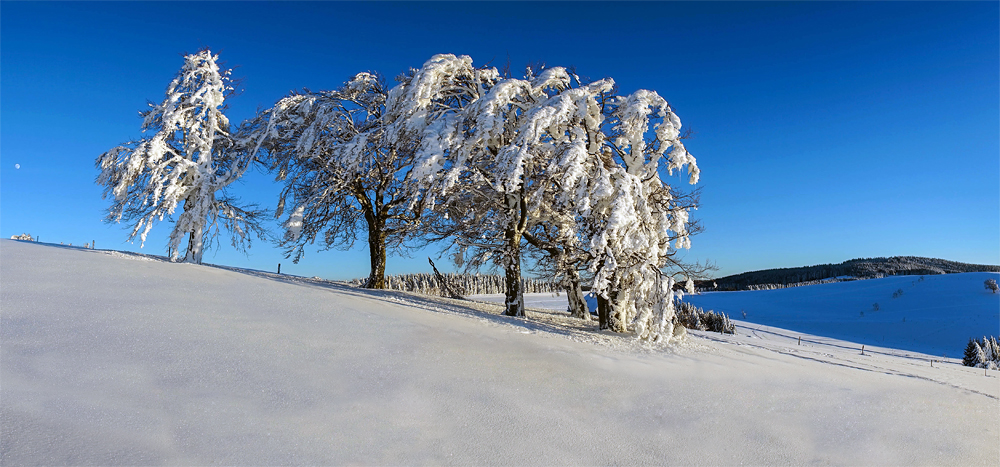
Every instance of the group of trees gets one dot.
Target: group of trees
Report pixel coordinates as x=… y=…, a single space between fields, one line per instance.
x=497 y=169
x=861 y=268
x=463 y=284
x=982 y=353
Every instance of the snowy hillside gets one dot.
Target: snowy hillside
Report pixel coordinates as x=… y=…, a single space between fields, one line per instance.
x=114 y=359
x=935 y=314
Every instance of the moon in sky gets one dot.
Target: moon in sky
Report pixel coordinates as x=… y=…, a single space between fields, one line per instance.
x=17 y=166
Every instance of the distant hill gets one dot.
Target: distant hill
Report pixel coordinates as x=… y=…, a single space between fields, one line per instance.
x=862 y=268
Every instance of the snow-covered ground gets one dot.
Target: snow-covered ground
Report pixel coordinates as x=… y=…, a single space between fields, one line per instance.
x=934 y=314
x=108 y=360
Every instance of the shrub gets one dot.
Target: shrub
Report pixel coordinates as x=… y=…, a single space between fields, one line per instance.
x=692 y=317
x=991 y=285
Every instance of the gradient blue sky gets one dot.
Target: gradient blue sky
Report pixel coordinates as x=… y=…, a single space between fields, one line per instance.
x=824 y=131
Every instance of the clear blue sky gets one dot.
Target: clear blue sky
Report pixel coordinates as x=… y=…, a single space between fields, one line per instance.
x=824 y=131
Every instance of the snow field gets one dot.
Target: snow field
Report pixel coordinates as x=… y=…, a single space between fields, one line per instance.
x=935 y=315
x=112 y=361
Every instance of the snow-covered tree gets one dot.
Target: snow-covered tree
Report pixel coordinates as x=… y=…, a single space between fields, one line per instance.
x=499 y=156
x=983 y=353
x=188 y=161
x=991 y=285
x=490 y=147
x=341 y=174
x=971 y=356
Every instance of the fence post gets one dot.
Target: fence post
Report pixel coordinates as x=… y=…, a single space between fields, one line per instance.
x=279 y=268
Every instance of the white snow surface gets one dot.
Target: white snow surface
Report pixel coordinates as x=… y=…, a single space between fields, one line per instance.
x=107 y=360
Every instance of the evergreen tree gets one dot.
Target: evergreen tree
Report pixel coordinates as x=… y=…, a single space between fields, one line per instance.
x=970 y=358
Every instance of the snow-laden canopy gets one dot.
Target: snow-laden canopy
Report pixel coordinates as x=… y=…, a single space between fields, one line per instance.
x=341 y=174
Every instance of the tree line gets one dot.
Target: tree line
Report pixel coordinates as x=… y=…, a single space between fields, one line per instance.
x=464 y=284
x=565 y=173
x=861 y=268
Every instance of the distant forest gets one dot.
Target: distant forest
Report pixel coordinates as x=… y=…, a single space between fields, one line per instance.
x=464 y=284
x=862 y=268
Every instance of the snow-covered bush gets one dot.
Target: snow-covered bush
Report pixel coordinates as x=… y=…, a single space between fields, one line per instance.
x=991 y=285
x=982 y=353
x=188 y=162
x=693 y=317
x=23 y=236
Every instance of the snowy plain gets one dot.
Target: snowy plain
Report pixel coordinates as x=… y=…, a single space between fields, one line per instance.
x=109 y=360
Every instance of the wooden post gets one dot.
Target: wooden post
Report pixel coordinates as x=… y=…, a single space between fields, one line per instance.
x=862 y=349
x=279 y=268
x=800 y=340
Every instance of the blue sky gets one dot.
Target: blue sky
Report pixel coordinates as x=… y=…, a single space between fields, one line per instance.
x=824 y=131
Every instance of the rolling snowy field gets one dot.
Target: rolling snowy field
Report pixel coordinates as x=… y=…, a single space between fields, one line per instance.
x=111 y=358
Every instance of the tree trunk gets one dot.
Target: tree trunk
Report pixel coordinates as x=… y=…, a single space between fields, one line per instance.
x=577 y=304
x=616 y=314
x=514 y=295
x=376 y=249
x=608 y=313
x=514 y=300
x=603 y=312
x=195 y=246
x=375 y=216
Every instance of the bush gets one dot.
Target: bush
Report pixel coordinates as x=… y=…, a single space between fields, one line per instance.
x=991 y=285
x=692 y=317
